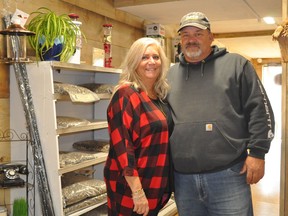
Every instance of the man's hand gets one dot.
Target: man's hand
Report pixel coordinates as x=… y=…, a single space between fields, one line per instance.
x=254 y=168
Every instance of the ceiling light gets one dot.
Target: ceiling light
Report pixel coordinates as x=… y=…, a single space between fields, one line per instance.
x=269 y=20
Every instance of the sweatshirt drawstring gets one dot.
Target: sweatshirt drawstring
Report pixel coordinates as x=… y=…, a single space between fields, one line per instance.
x=187 y=72
x=202 y=68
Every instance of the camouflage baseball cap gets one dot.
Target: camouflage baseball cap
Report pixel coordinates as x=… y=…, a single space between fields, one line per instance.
x=196 y=19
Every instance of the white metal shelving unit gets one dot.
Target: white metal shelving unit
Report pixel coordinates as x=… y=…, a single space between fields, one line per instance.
x=49 y=105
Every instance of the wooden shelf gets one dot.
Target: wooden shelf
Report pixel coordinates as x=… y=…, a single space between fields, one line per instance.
x=104 y=96
x=60 y=97
x=91 y=126
x=82 y=68
x=87 y=209
x=100 y=157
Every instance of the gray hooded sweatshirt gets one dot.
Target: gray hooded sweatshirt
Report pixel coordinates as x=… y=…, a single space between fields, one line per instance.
x=220 y=111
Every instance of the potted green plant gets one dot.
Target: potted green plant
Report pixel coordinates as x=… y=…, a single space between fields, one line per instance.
x=20 y=207
x=52 y=32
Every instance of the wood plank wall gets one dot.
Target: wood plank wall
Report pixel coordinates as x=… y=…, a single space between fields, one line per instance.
x=4 y=110
x=284 y=148
x=4 y=123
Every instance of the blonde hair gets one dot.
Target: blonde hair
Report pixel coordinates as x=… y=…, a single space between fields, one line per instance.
x=133 y=59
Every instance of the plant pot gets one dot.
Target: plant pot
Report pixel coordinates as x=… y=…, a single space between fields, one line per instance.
x=50 y=27
x=20 y=207
x=52 y=54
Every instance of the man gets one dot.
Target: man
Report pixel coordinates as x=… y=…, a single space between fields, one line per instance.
x=224 y=125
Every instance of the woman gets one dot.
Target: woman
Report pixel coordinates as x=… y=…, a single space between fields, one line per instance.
x=137 y=168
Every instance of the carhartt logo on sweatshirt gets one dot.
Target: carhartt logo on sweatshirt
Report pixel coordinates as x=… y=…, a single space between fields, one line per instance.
x=209 y=127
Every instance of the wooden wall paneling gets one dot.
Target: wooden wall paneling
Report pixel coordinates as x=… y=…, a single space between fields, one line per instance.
x=284 y=147
x=284 y=156
x=2 y=44
x=4 y=81
x=169 y=49
x=106 y=9
x=5 y=147
x=122 y=37
x=4 y=113
x=4 y=125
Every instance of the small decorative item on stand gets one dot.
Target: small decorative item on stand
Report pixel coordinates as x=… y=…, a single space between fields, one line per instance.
x=12 y=40
x=107 y=29
x=10 y=175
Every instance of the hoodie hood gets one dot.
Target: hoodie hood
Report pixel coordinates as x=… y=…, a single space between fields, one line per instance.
x=216 y=51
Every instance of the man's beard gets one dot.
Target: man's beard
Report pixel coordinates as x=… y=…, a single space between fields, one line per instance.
x=192 y=54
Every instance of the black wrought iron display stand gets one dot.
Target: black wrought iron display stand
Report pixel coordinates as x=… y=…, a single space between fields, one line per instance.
x=12 y=171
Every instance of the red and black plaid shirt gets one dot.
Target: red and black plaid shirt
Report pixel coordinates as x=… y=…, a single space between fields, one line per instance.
x=138 y=147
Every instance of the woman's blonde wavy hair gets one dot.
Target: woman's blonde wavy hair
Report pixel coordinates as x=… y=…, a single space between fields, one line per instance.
x=133 y=59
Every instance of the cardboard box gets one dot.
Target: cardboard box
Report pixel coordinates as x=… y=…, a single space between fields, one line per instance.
x=155 y=29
